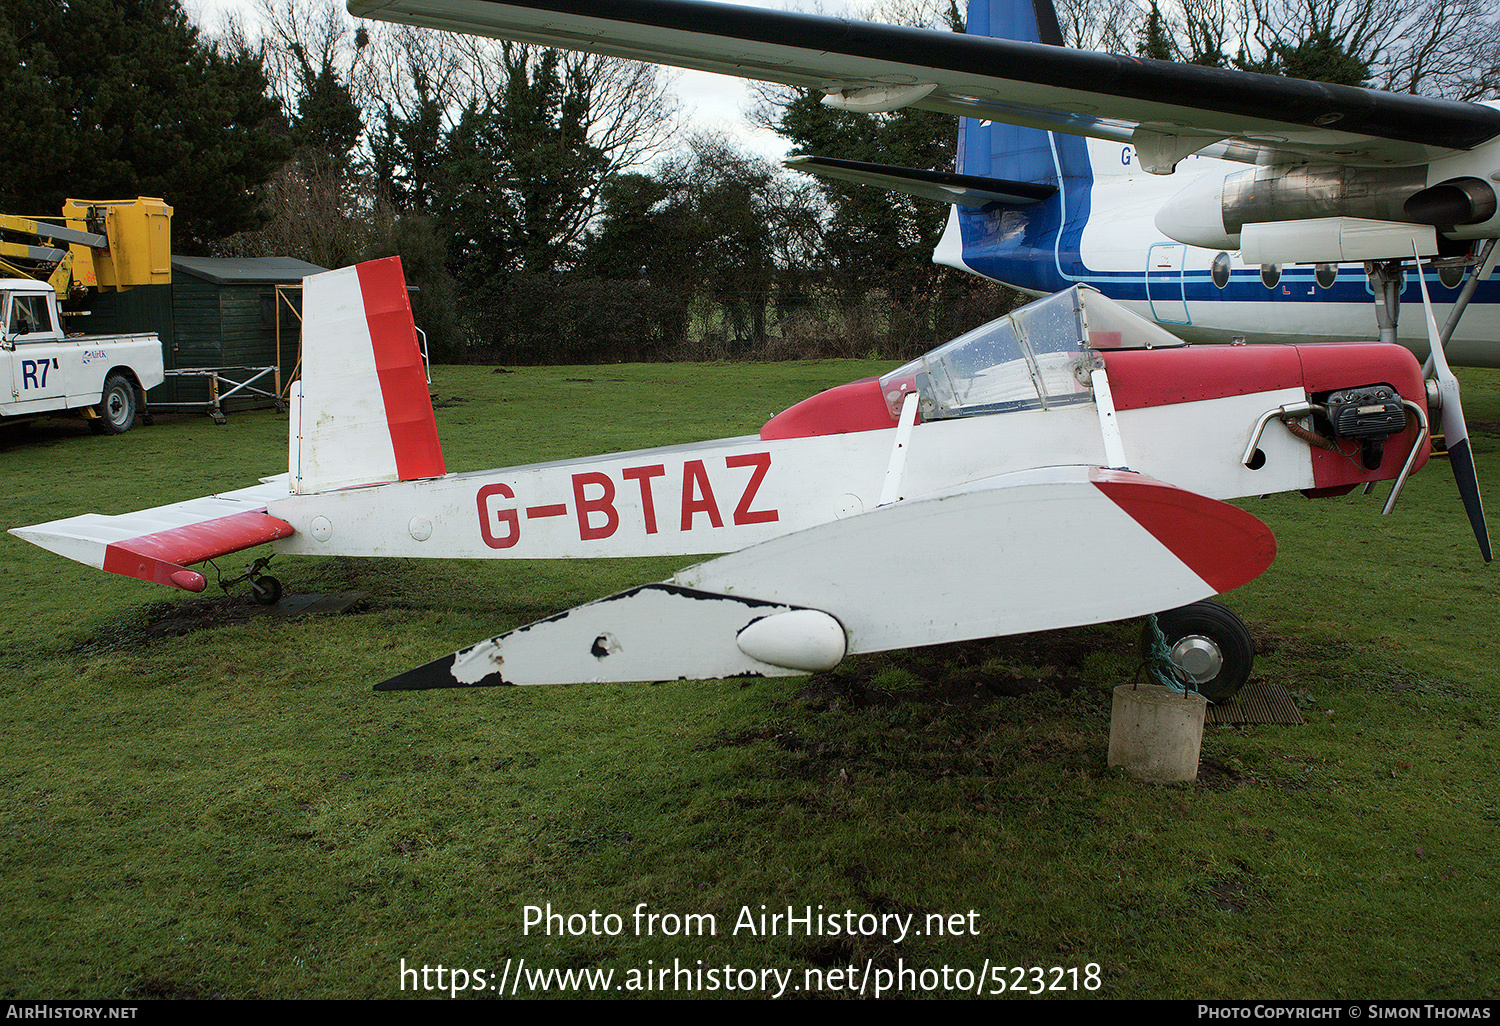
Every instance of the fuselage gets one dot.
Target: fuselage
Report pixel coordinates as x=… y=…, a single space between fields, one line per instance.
x=1100 y=230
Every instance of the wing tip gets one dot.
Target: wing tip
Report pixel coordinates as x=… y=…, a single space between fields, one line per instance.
x=437 y=674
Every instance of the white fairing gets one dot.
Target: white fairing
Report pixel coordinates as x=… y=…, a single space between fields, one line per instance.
x=800 y=639
x=950 y=248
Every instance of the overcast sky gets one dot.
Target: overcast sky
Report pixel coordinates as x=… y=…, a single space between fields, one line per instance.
x=711 y=103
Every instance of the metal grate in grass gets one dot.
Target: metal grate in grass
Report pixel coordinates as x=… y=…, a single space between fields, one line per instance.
x=1258 y=703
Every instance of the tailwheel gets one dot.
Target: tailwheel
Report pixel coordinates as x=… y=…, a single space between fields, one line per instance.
x=265 y=590
x=1210 y=644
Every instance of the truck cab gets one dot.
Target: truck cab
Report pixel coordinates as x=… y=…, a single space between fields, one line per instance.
x=45 y=371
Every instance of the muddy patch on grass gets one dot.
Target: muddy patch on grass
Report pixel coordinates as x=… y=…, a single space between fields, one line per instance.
x=977 y=672
x=1269 y=642
x=973 y=710
x=1218 y=776
x=1230 y=895
x=161 y=620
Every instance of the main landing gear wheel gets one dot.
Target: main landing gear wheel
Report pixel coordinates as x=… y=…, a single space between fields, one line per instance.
x=116 y=407
x=1212 y=645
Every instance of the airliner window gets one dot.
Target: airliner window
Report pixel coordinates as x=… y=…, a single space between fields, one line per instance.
x=1221 y=270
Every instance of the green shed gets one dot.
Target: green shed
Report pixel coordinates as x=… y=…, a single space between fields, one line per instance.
x=218 y=321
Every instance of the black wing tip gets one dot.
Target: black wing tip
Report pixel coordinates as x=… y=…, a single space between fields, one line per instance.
x=434 y=675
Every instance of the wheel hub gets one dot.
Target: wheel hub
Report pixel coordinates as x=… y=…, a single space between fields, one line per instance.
x=1198 y=657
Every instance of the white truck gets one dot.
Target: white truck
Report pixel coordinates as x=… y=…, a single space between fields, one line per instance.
x=44 y=371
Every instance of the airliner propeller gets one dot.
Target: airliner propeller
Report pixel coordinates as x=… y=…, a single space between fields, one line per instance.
x=1455 y=432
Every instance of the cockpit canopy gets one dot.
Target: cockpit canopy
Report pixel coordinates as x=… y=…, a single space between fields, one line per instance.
x=1037 y=357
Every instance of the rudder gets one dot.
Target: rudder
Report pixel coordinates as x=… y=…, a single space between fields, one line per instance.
x=997 y=150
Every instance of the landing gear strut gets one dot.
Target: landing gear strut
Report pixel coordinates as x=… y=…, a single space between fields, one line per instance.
x=1387 y=281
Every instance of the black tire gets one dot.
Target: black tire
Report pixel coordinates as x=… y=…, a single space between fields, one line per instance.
x=265 y=590
x=1212 y=645
x=117 y=407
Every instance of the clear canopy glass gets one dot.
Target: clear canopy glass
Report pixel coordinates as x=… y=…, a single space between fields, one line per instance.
x=1037 y=357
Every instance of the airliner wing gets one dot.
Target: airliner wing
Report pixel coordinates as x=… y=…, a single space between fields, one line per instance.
x=1166 y=110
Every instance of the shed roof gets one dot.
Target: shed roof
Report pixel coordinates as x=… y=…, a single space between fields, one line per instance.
x=246 y=270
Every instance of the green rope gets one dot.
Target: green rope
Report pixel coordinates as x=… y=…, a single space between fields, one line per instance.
x=1157 y=659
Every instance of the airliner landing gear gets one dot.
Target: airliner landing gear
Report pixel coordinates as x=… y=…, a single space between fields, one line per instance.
x=1387 y=281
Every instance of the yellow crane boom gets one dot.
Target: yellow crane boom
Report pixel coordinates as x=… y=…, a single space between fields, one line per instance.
x=111 y=245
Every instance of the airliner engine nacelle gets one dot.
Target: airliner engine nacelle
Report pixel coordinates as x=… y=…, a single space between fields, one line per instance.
x=1458 y=201
x=1315 y=213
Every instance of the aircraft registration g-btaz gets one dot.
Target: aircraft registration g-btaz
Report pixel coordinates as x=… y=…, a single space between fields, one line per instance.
x=1061 y=466
x=1219 y=203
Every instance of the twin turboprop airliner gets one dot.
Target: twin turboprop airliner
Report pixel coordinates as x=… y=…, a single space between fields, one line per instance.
x=1222 y=204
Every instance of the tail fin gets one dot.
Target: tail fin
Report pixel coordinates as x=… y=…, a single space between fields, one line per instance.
x=1035 y=247
x=361 y=413
x=995 y=150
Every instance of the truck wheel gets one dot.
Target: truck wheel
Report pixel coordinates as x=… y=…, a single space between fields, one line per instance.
x=117 y=408
x=1212 y=645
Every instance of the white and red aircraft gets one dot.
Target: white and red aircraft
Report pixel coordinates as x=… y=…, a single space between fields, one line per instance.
x=1219 y=203
x=1063 y=465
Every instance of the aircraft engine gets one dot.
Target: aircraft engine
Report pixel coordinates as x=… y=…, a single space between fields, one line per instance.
x=1457 y=201
x=1369 y=415
x=1315 y=213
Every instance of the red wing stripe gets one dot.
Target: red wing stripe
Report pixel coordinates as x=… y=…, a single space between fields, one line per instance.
x=398 y=364
x=162 y=557
x=1222 y=544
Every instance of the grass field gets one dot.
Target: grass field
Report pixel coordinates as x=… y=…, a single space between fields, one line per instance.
x=200 y=802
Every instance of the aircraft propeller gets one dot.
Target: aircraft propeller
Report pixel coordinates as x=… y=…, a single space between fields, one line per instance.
x=1455 y=432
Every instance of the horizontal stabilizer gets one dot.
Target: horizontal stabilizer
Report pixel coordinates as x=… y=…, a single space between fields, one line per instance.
x=159 y=544
x=1028 y=551
x=944 y=187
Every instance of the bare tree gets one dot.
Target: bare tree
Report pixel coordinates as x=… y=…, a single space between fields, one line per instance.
x=302 y=37
x=633 y=114
x=1448 y=48
x=409 y=67
x=1104 y=25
